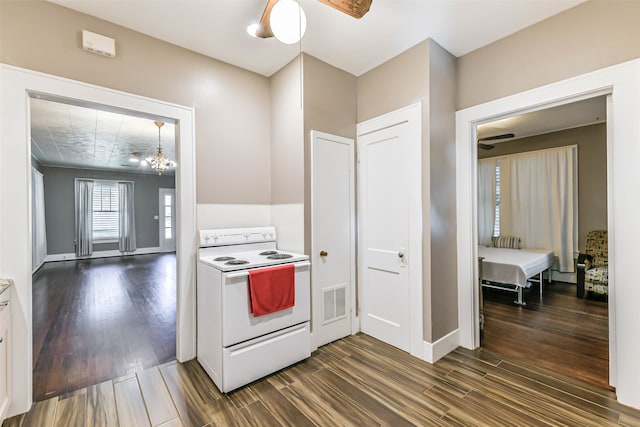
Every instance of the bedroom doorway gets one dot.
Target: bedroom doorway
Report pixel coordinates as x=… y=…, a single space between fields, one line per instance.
x=553 y=328
x=619 y=84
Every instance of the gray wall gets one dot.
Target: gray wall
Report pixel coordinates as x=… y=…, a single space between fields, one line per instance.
x=232 y=105
x=588 y=37
x=442 y=170
x=592 y=169
x=426 y=73
x=329 y=106
x=59 y=206
x=287 y=150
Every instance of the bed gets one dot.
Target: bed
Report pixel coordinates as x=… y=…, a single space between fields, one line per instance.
x=511 y=269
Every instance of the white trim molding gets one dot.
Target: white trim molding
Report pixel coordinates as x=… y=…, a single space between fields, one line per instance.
x=17 y=86
x=432 y=352
x=71 y=256
x=621 y=85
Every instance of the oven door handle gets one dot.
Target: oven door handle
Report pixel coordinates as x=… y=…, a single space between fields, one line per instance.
x=246 y=273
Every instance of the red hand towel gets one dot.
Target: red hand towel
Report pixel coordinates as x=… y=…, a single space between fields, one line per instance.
x=271 y=289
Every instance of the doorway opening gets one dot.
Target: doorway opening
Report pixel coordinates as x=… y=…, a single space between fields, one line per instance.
x=19 y=85
x=528 y=210
x=104 y=286
x=619 y=84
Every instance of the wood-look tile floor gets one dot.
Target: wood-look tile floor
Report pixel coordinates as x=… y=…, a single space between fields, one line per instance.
x=356 y=381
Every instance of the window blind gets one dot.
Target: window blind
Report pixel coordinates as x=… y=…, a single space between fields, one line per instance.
x=105 y=211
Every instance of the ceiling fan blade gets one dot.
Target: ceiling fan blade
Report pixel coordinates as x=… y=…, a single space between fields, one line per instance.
x=355 y=8
x=485 y=146
x=496 y=137
x=264 y=26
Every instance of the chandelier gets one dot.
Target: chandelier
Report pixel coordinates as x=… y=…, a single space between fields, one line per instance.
x=159 y=161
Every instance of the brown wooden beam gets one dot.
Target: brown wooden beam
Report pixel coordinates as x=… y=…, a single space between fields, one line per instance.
x=264 y=29
x=355 y=8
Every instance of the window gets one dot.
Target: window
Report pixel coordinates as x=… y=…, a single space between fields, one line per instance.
x=496 y=224
x=168 y=217
x=106 y=211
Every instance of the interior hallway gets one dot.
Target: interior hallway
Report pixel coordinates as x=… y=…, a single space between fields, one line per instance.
x=99 y=319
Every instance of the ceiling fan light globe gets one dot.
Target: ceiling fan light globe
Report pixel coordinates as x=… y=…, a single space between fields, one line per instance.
x=252 y=30
x=288 y=21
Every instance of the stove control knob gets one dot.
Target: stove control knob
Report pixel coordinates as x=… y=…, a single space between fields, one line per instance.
x=206 y=237
x=245 y=234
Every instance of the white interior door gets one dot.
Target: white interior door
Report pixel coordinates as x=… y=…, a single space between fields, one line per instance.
x=167 y=219
x=333 y=236
x=390 y=246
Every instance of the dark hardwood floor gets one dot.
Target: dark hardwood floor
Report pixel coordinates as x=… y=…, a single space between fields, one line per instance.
x=356 y=381
x=100 y=319
x=559 y=332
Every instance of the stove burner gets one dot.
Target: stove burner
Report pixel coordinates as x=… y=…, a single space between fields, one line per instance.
x=279 y=256
x=268 y=253
x=224 y=258
x=237 y=262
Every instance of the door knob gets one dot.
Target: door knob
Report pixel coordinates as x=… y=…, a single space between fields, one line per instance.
x=323 y=253
x=400 y=254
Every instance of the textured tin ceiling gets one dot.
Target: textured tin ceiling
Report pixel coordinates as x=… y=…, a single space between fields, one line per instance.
x=89 y=138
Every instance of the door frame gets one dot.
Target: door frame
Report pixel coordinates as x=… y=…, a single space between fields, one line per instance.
x=18 y=85
x=174 y=212
x=411 y=114
x=621 y=84
x=354 y=319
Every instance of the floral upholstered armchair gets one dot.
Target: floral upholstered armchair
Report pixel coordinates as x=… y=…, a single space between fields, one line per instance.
x=593 y=265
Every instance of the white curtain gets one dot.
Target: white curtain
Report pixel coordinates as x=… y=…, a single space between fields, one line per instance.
x=486 y=200
x=539 y=201
x=84 y=216
x=38 y=231
x=127 y=240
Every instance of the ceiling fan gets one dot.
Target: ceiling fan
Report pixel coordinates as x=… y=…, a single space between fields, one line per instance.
x=354 y=8
x=493 y=138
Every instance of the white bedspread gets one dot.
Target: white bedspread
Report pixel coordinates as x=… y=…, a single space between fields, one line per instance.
x=513 y=266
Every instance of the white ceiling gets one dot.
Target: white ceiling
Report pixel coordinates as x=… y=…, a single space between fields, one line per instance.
x=217 y=28
x=576 y=114
x=88 y=138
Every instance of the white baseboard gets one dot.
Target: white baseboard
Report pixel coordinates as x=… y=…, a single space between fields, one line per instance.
x=437 y=350
x=564 y=277
x=102 y=254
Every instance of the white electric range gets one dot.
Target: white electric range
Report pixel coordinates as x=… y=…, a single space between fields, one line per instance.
x=235 y=347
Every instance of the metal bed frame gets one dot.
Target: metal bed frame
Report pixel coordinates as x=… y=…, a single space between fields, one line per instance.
x=537 y=278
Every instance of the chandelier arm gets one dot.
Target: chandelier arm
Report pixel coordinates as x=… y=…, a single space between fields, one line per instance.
x=159 y=161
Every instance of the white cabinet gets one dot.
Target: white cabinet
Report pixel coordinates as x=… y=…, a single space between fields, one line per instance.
x=5 y=328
